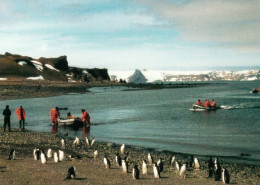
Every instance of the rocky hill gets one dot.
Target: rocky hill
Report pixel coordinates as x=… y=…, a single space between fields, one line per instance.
x=14 y=66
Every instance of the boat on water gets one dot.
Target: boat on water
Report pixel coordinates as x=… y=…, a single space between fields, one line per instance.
x=202 y=108
x=72 y=122
x=255 y=90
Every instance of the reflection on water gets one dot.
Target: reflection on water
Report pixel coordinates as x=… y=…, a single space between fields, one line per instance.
x=85 y=131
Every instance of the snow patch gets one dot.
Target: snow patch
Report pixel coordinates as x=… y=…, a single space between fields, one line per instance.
x=3 y=78
x=22 y=63
x=35 y=78
x=37 y=65
x=51 y=67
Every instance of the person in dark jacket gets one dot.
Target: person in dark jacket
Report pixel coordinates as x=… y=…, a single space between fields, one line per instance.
x=7 y=115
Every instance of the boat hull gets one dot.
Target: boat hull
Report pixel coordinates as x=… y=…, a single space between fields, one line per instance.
x=201 y=108
x=74 y=122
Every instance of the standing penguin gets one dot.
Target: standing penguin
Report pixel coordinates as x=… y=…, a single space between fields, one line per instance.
x=92 y=141
x=225 y=176
x=76 y=142
x=156 y=171
x=191 y=160
x=210 y=167
x=196 y=163
x=150 y=159
x=87 y=141
x=95 y=154
x=172 y=160
x=177 y=167
x=49 y=153
x=183 y=171
x=71 y=173
x=144 y=168
x=63 y=144
x=124 y=165
x=106 y=162
x=11 y=155
x=160 y=164
x=136 y=173
x=61 y=155
x=122 y=149
x=55 y=157
x=43 y=157
x=36 y=154
x=217 y=170
x=118 y=160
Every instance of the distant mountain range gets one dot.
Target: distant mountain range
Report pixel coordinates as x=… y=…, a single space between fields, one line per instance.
x=139 y=76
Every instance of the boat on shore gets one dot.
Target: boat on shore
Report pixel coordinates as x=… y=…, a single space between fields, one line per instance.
x=73 y=122
x=202 y=108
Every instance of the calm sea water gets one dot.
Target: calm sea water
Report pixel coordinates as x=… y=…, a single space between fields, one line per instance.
x=161 y=119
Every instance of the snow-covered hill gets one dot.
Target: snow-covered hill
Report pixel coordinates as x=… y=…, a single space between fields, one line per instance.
x=184 y=76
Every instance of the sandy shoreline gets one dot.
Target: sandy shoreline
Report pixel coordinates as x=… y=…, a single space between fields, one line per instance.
x=89 y=171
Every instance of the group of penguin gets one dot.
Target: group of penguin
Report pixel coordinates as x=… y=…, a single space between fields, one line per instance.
x=214 y=168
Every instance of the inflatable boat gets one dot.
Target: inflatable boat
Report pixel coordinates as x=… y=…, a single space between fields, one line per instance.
x=202 y=108
x=73 y=122
x=255 y=90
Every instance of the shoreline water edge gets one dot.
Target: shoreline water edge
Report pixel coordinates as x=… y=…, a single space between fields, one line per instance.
x=91 y=171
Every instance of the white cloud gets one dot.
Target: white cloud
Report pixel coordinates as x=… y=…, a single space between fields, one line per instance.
x=233 y=23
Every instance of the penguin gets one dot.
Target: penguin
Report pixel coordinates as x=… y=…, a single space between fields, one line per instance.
x=191 y=160
x=43 y=157
x=71 y=173
x=122 y=149
x=62 y=143
x=218 y=174
x=216 y=164
x=95 y=154
x=196 y=164
x=106 y=162
x=183 y=171
x=124 y=165
x=144 y=168
x=11 y=155
x=177 y=167
x=225 y=176
x=36 y=154
x=49 y=153
x=150 y=159
x=136 y=173
x=87 y=141
x=92 y=142
x=160 y=164
x=74 y=156
x=156 y=171
x=118 y=160
x=172 y=160
x=76 y=141
x=55 y=157
x=210 y=167
x=61 y=155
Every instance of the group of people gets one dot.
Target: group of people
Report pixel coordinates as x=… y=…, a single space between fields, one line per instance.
x=55 y=116
x=207 y=103
x=20 y=112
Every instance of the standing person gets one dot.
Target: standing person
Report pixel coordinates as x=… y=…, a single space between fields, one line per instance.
x=55 y=115
x=21 y=116
x=7 y=114
x=85 y=117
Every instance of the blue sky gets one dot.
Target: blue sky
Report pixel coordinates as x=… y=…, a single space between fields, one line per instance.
x=135 y=34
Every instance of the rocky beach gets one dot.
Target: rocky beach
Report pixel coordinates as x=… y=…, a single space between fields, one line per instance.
x=25 y=170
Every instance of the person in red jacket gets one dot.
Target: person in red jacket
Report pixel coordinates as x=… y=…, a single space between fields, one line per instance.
x=55 y=115
x=207 y=103
x=85 y=117
x=21 y=116
x=213 y=103
x=199 y=102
